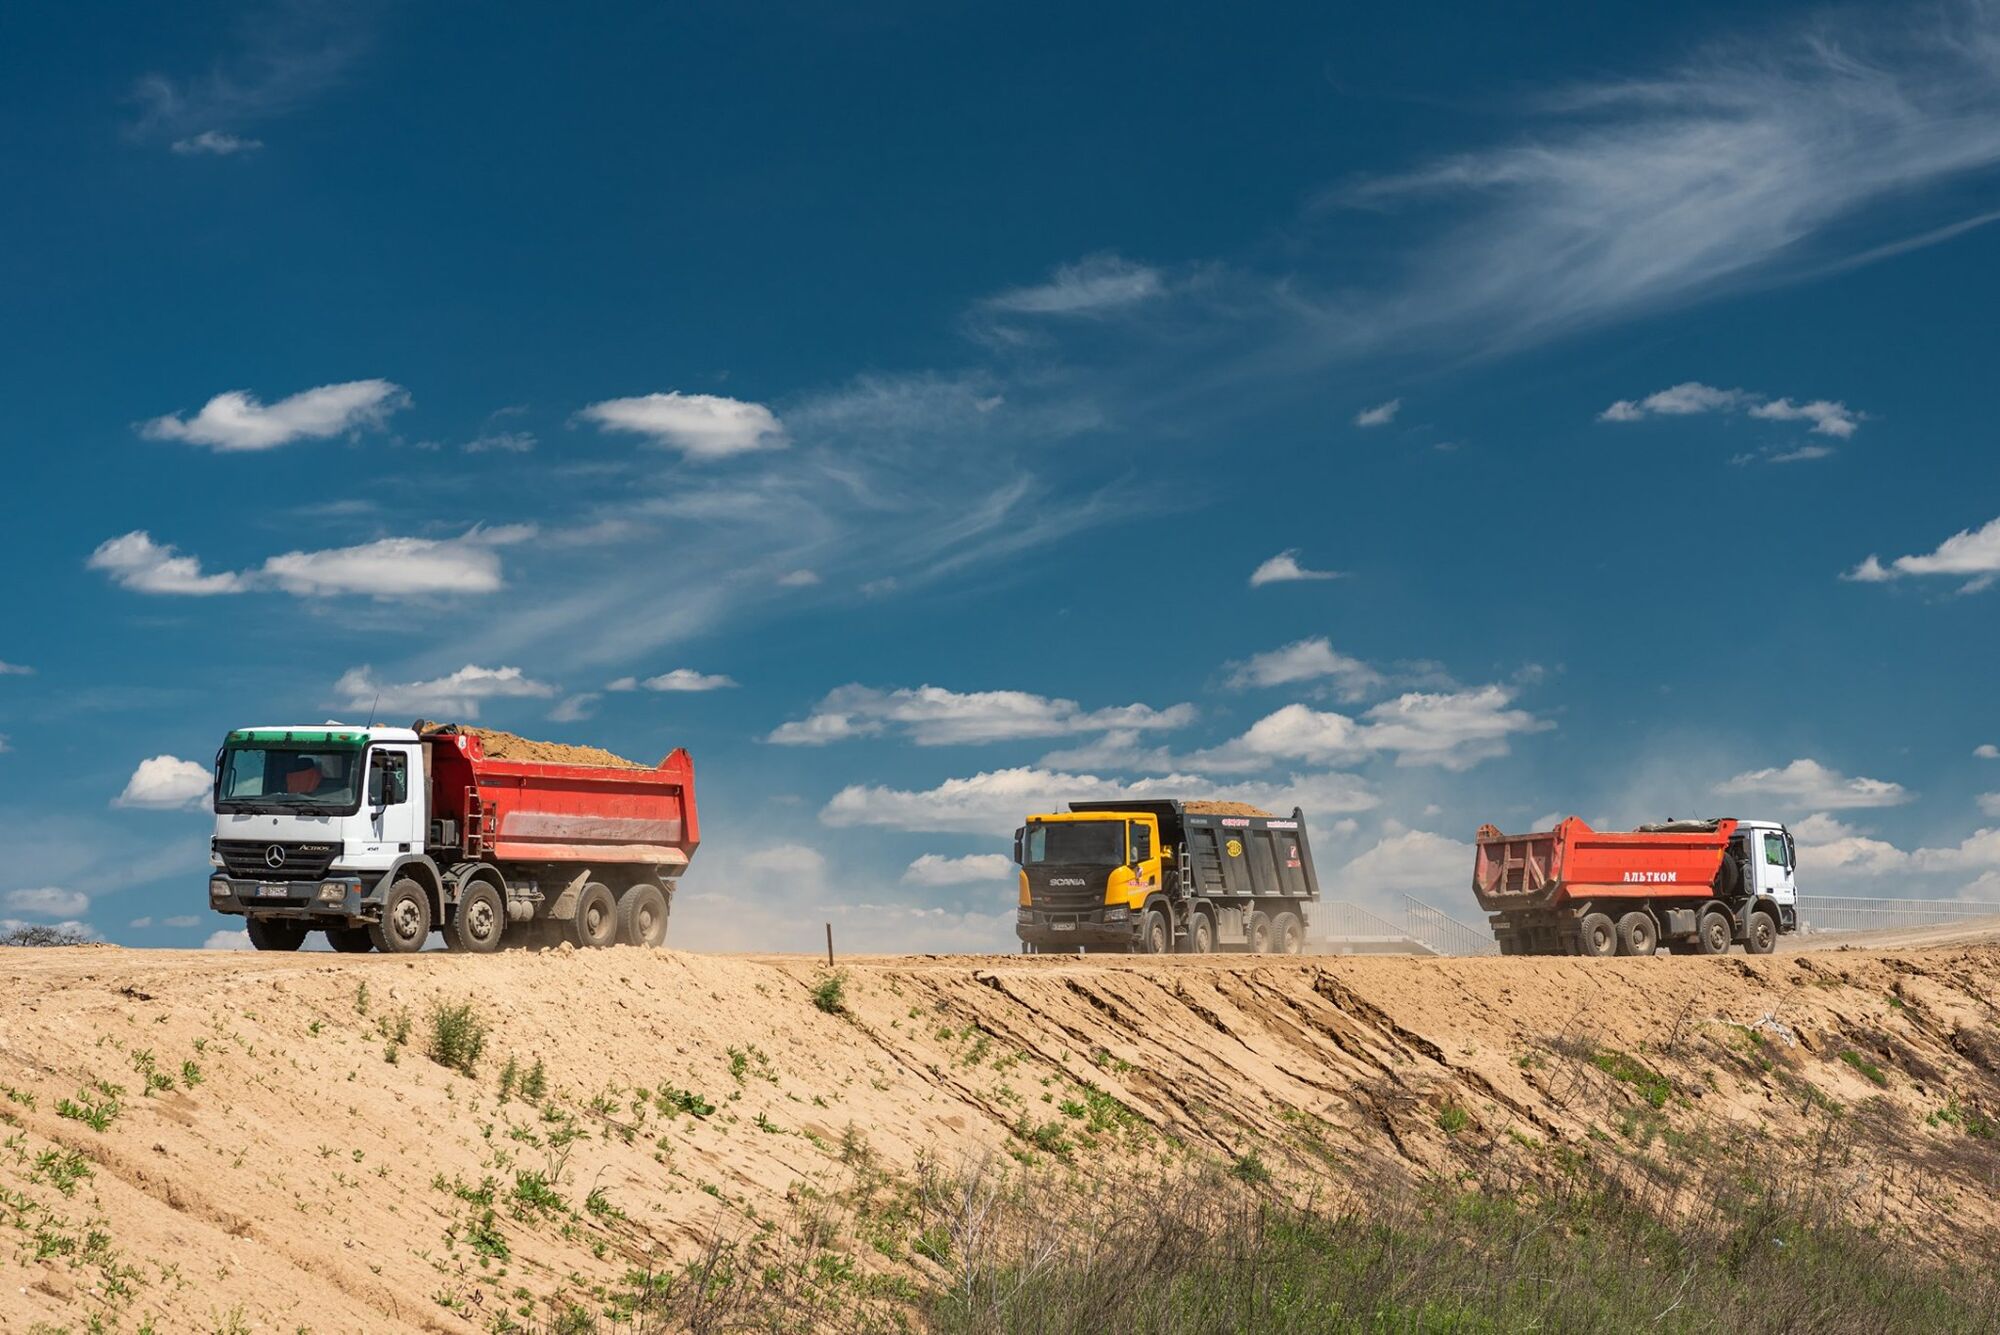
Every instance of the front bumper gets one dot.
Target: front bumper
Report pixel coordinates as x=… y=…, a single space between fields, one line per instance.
x=1115 y=927
x=339 y=899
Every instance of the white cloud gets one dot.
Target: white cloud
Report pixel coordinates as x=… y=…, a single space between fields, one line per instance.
x=1408 y=862
x=1380 y=415
x=1808 y=785
x=15 y=670
x=5 y=747
x=236 y=420
x=1969 y=552
x=1296 y=732
x=140 y=923
x=700 y=426
x=1285 y=567
x=502 y=442
x=1989 y=804
x=227 y=940
x=216 y=143
x=935 y=716
x=1828 y=417
x=181 y=920
x=1830 y=849
x=575 y=708
x=687 y=679
x=47 y=902
x=798 y=579
x=385 y=568
x=993 y=802
x=1736 y=166
x=974 y=868
x=1307 y=660
x=164 y=782
x=1093 y=286
x=1987 y=751
x=136 y=562
x=1451 y=729
x=459 y=694
x=788 y=860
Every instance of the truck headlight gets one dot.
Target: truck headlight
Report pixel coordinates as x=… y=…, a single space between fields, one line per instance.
x=1024 y=915
x=214 y=858
x=218 y=889
x=1117 y=914
x=332 y=892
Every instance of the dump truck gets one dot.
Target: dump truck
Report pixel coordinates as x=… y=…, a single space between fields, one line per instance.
x=1696 y=886
x=379 y=835
x=1151 y=877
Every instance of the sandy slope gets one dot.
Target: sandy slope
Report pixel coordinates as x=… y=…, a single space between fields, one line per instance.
x=305 y=1180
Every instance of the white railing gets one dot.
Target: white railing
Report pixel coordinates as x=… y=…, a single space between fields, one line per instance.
x=1443 y=933
x=1338 y=920
x=1860 y=913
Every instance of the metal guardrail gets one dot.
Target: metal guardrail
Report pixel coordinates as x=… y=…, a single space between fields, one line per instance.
x=1338 y=920
x=1861 y=913
x=1443 y=933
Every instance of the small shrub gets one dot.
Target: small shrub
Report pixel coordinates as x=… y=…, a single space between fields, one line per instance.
x=1652 y=1086
x=61 y=1169
x=40 y=934
x=1250 y=1168
x=457 y=1038
x=96 y=1107
x=1867 y=1068
x=1453 y=1119
x=672 y=1100
x=829 y=993
x=536 y=1083
x=510 y=1076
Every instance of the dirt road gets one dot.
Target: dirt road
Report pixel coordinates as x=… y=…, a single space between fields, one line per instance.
x=206 y=1137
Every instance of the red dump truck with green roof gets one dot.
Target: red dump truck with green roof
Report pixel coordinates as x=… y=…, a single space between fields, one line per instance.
x=379 y=836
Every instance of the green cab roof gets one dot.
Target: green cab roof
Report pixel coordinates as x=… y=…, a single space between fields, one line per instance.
x=296 y=737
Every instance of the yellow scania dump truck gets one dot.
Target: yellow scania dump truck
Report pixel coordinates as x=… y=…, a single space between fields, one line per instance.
x=1154 y=877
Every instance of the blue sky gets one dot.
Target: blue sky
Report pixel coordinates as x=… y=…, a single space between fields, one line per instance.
x=925 y=417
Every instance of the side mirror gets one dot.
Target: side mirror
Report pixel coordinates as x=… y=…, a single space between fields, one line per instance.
x=1020 y=834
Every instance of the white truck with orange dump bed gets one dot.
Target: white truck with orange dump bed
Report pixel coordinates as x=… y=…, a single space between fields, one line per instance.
x=1157 y=876
x=1696 y=886
x=378 y=836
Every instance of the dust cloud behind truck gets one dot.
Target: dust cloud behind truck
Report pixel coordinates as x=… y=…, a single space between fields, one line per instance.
x=1159 y=876
x=377 y=836
x=1697 y=886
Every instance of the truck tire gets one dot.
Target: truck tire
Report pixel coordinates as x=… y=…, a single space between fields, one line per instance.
x=1761 y=936
x=406 y=920
x=1258 y=934
x=273 y=934
x=596 y=923
x=478 y=924
x=642 y=916
x=349 y=940
x=1713 y=935
x=1638 y=934
x=1597 y=935
x=1201 y=934
x=1288 y=934
x=1155 y=937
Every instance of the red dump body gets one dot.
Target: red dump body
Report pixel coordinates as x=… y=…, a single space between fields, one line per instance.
x=1573 y=861
x=536 y=811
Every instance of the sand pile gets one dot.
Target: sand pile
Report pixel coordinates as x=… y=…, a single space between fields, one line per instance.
x=1224 y=809
x=507 y=746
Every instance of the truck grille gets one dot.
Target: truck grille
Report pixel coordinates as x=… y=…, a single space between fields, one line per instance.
x=253 y=859
x=1079 y=898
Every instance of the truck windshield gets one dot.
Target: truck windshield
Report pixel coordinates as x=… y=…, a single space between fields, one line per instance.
x=319 y=779
x=1094 y=843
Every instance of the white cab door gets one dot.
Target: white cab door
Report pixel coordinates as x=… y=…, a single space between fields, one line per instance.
x=1776 y=872
x=392 y=806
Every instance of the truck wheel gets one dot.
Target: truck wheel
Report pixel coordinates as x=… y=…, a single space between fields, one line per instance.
x=349 y=940
x=1638 y=935
x=642 y=916
x=272 y=934
x=1154 y=936
x=1288 y=934
x=1596 y=935
x=479 y=921
x=406 y=920
x=1761 y=937
x=1713 y=936
x=1201 y=934
x=1259 y=934
x=596 y=923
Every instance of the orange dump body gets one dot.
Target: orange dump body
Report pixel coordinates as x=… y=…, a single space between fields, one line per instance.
x=537 y=811
x=1573 y=861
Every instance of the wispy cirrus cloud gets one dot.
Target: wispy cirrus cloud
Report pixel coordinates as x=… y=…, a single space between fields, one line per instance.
x=238 y=420
x=935 y=716
x=1829 y=417
x=1284 y=568
x=458 y=694
x=1096 y=285
x=285 y=55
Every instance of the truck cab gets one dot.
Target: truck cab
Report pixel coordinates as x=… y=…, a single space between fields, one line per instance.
x=1085 y=876
x=1770 y=860
x=311 y=822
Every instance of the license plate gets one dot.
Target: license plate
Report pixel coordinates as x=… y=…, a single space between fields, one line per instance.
x=1062 y=927
x=272 y=890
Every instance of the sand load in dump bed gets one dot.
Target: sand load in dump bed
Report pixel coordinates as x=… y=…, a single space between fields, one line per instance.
x=1225 y=809
x=501 y=745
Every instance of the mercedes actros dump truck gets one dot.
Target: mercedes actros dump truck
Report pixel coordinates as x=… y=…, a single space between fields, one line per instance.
x=1153 y=877
x=1698 y=886
x=377 y=836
